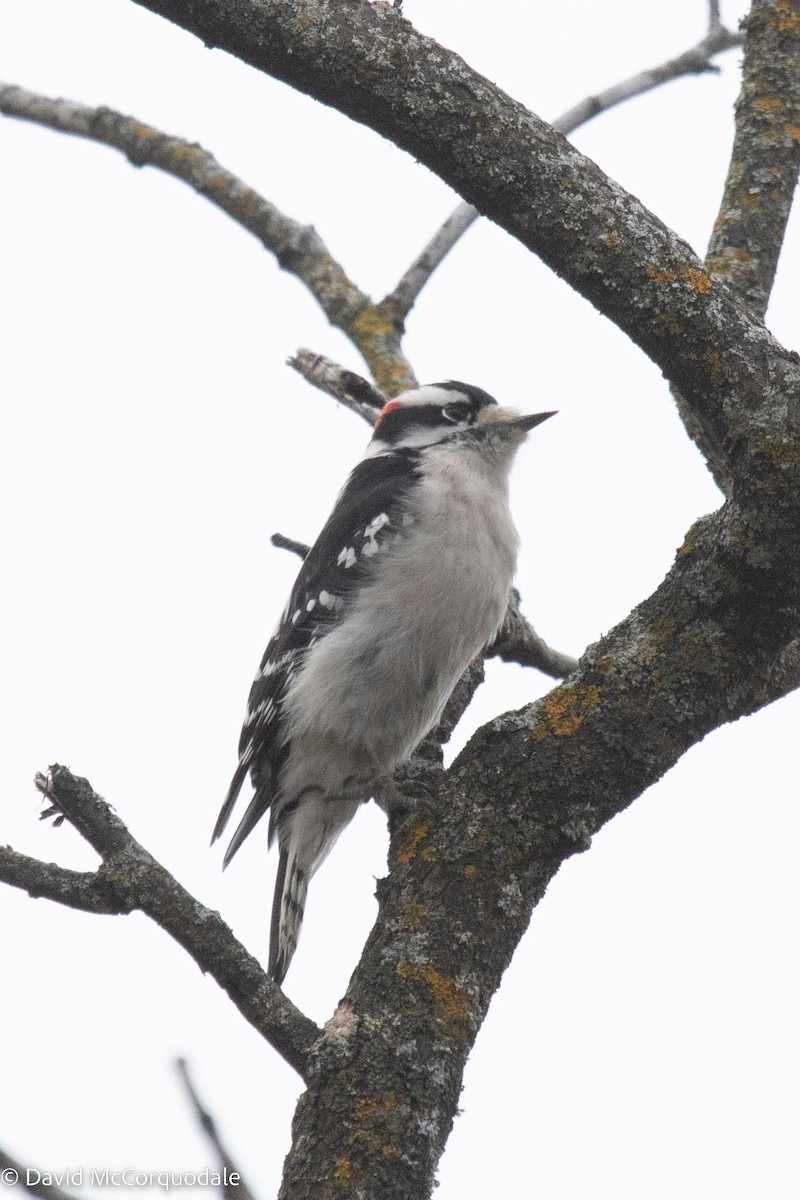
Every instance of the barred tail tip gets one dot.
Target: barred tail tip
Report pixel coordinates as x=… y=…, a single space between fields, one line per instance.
x=288 y=906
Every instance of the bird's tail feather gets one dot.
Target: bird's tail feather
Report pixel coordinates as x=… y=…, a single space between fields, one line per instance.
x=230 y=799
x=288 y=906
x=262 y=798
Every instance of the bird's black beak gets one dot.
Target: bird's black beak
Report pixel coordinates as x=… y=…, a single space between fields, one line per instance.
x=532 y=420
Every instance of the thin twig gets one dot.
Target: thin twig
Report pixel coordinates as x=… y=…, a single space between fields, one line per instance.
x=131 y=879
x=233 y=1186
x=694 y=61
x=284 y=543
x=298 y=248
x=518 y=642
x=350 y=389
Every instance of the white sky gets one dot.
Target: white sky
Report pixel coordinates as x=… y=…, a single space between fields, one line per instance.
x=644 y=1042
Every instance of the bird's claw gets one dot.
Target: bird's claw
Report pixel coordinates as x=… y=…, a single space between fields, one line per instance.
x=415 y=786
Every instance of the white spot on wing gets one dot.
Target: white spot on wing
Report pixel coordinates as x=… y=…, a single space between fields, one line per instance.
x=375 y=525
x=347 y=557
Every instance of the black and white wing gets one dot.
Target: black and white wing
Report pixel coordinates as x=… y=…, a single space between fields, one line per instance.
x=367 y=519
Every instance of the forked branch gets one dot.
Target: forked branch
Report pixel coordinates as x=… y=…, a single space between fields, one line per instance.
x=694 y=61
x=298 y=248
x=130 y=879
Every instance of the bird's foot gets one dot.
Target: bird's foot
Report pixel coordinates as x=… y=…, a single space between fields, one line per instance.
x=415 y=786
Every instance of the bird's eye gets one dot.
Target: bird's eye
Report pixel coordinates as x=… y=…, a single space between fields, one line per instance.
x=459 y=410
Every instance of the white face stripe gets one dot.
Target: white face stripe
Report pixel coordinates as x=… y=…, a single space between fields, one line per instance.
x=430 y=394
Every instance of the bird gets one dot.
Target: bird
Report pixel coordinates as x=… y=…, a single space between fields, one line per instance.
x=407 y=582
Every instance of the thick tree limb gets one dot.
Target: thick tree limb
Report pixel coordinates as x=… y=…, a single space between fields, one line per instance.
x=130 y=879
x=762 y=178
x=695 y=61
x=298 y=248
x=368 y=62
x=761 y=182
x=463 y=884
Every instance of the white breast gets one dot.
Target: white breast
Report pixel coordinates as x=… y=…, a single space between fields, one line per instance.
x=375 y=685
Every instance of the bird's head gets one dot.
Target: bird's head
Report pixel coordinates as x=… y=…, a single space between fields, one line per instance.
x=440 y=412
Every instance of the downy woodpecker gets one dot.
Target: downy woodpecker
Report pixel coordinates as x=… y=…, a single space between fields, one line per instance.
x=407 y=582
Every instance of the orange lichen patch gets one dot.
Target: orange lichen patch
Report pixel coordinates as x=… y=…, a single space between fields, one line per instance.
x=661 y=276
x=716 y=367
x=389 y=1151
x=470 y=870
x=792 y=131
x=781 y=452
x=740 y=253
x=663 y=628
x=698 y=281
x=429 y=855
x=390 y=374
x=448 y=996
x=412 y=915
x=365 y=1109
x=671 y=324
x=787 y=18
x=370 y=323
x=143 y=131
x=769 y=104
x=343 y=1171
x=564 y=710
x=611 y=240
x=182 y=153
x=418 y=833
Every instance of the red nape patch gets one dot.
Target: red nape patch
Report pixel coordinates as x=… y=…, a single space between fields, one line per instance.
x=387 y=408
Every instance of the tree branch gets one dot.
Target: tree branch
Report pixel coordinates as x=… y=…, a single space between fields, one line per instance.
x=130 y=879
x=463 y=885
x=233 y=1187
x=298 y=248
x=694 y=61
x=347 y=387
x=518 y=642
x=368 y=62
x=88 y=891
x=284 y=543
x=763 y=173
x=762 y=177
